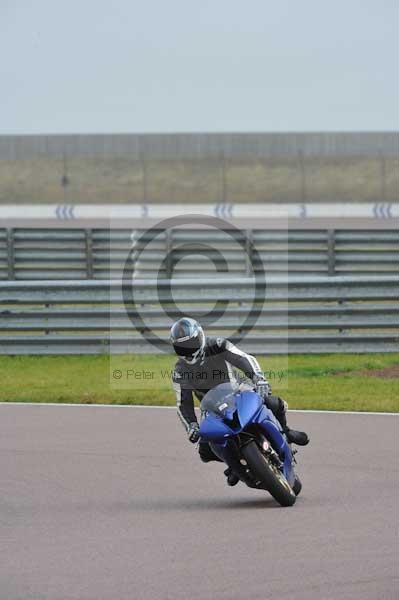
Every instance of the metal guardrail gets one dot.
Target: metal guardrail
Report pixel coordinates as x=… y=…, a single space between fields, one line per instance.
x=102 y=253
x=309 y=315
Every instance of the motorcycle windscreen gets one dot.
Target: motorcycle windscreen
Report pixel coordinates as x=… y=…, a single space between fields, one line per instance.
x=220 y=400
x=219 y=407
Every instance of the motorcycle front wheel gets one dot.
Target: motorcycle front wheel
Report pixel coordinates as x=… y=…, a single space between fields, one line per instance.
x=269 y=474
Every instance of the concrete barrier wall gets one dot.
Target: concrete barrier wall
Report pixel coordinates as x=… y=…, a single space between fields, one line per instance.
x=201 y=145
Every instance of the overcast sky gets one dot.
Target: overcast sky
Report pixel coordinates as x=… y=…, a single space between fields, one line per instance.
x=88 y=66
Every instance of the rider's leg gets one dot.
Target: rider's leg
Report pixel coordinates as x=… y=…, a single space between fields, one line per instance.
x=231 y=457
x=206 y=453
x=279 y=409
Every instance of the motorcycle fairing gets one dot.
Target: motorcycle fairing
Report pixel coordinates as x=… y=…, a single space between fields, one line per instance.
x=215 y=428
x=249 y=409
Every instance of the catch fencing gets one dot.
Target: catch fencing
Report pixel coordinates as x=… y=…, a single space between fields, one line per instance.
x=294 y=315
x=36 y=254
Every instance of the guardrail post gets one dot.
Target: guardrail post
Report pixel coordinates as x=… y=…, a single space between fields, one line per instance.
x=10 y=253
x=331 y=251
x=249 y=243
x=169 y=251
x=89 y=253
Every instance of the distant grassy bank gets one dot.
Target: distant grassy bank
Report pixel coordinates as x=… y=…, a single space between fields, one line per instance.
x=335 y=382
x=125 y=179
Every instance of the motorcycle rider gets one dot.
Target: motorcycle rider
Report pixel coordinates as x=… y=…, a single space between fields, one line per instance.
x=203 y=364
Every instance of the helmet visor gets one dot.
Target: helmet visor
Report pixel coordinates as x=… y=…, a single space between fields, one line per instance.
x=186 y=351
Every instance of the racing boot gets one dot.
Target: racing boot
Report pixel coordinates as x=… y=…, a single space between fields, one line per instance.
x=300 y=438
x=232 y=478
x=279 y=409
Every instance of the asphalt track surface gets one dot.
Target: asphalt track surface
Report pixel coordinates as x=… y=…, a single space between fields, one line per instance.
x=113 y=503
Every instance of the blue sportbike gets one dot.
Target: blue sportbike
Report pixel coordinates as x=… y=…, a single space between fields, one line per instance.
x=245 y=434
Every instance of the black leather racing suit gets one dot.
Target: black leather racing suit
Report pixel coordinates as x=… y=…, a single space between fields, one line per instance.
x=221 y=358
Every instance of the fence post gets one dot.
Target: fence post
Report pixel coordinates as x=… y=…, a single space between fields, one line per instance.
x=331 y=251
x=383 y=177
x=303 y=176
x=224 y=177
x=145 y=178
x=89 y=253
x=10 y=253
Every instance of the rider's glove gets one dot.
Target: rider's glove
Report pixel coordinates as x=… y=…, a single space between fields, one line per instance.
x=262 y=386
x=193 y=433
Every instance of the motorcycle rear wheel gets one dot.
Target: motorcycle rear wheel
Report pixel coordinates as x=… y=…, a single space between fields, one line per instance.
x=269 y=474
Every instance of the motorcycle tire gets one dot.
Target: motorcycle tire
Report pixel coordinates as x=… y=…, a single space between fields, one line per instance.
x=269 y=474
x=297 y=486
